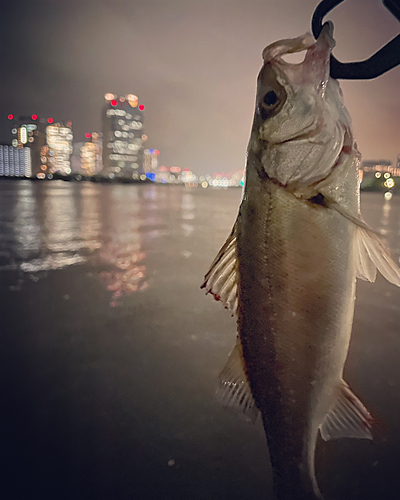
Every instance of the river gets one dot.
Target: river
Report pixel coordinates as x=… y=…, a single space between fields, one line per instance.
x=110 y=352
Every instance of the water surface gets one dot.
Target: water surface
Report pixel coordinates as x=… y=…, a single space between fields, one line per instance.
x=109 y=351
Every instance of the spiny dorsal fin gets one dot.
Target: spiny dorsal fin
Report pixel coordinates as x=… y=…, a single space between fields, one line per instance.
x=348 y=417
x=221 y=279
x=233 y=389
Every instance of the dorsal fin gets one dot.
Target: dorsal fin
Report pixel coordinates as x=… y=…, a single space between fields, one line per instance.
x=221 y=279
x=233 y=389
x=348 y=417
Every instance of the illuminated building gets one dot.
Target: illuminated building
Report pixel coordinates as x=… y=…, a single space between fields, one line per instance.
x=123 y=136
x=372 y=166
x=377 y=175
x=15 y=162
x=29 y=132
x=150 y=164
x=91 y=154
x=55 y=155
x=88 y=158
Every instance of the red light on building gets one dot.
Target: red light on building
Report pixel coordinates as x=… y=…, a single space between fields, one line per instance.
x=186 y=170
x=69 y=123
x=156 y=152
x=113 y=102
x=88 y=135
x=10 y=116
x=141 y=107
x=34 y=117
x=50 y=120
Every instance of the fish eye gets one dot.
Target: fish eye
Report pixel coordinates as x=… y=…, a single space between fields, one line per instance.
x=271 y=102
x=270 y=98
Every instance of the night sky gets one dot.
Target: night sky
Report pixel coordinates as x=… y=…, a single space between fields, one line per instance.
x=192 y=63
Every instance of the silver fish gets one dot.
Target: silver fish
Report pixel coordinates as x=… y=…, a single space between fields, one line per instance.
x=288 y=270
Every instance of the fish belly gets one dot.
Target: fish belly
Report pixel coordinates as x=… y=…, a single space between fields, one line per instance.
x=296 y=302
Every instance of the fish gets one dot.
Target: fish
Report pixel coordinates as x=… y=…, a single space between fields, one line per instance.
x=288 y=270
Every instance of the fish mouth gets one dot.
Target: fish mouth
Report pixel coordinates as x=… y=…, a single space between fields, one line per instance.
x=295 y=84
x=306 y=42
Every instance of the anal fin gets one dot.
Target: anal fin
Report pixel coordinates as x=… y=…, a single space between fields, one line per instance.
x=233 y=389
x=348 y=417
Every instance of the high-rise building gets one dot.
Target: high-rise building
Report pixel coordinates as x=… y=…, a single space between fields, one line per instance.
x=56 y=154
x=150 y=163
x=15 y=162
x=122 y=136
x=91 y=154
x=29 y=132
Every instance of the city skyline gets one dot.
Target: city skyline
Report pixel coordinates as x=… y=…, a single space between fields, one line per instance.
x=193 y=65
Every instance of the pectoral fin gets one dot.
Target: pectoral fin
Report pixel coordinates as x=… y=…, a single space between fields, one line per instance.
x=221 y=279
x=233 y=389
x=370 y=253
x=348 y=417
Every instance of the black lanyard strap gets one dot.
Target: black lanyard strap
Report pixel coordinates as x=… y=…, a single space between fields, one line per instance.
x=385 y=59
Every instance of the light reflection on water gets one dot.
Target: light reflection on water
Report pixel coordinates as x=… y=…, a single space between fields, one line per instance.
x=124 y=246
x=48 y=226
x=114 y=379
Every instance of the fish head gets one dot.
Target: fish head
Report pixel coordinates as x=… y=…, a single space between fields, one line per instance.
x=301 y=126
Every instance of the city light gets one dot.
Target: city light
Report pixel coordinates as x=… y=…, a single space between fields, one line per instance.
x=34 y=117
x=88 y=135
x=109 y=96
x=23 y=135
x=141 y=107
x=114 y=102
x=388 y=195
x=10 y=116
x=50 y=120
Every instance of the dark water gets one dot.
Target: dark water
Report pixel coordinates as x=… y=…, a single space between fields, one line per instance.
x=109 y=352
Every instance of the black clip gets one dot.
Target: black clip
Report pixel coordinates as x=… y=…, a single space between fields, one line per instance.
x=386 y=58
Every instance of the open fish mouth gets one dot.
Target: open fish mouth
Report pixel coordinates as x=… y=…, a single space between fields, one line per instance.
x=276 y=50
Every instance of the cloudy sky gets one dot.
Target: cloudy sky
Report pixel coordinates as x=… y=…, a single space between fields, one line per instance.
x=192 y=63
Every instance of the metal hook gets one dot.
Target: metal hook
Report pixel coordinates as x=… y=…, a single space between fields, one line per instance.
x=382 y=61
